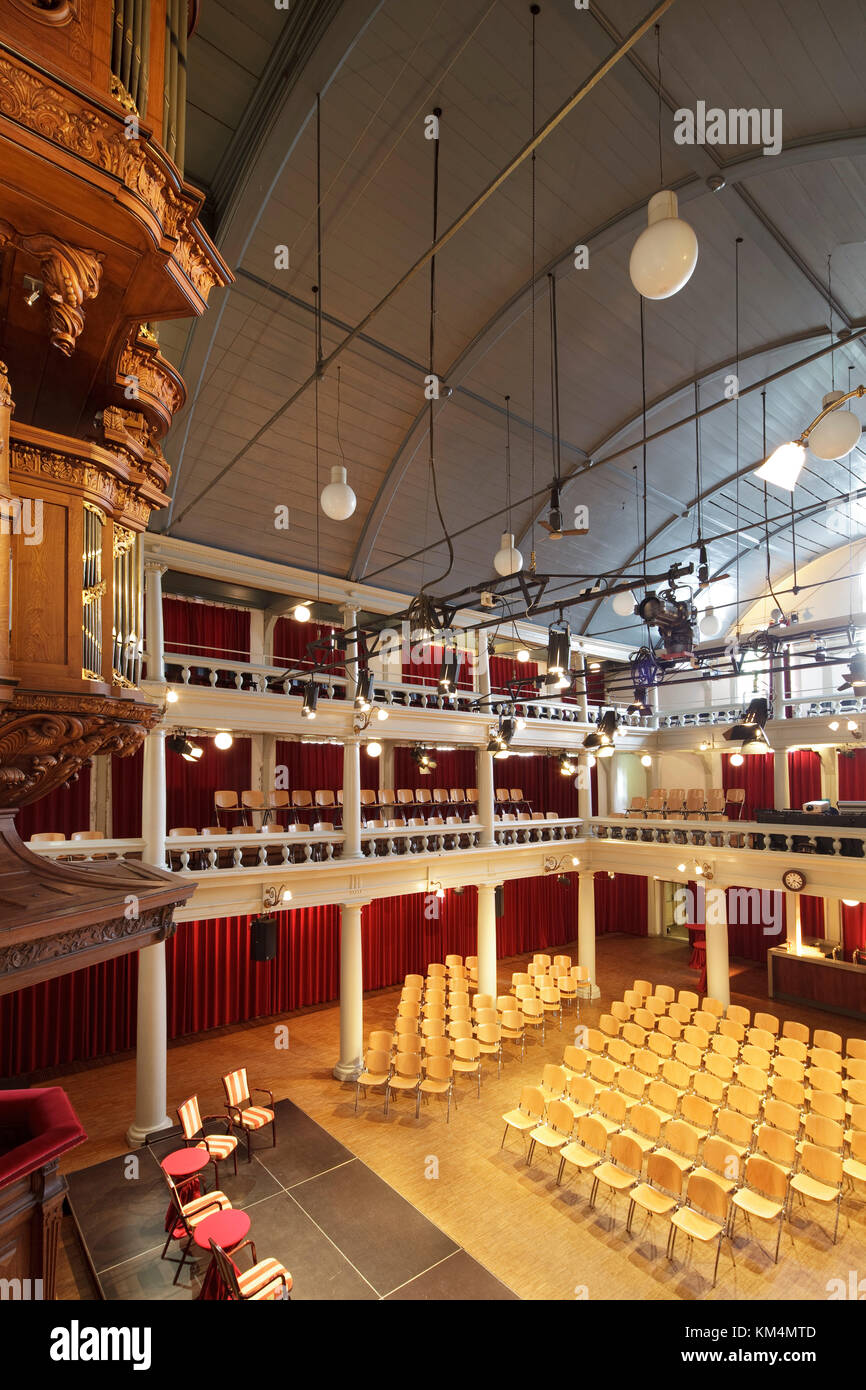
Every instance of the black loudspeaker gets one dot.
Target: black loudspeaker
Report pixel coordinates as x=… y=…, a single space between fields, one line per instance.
x=499 y=898
x=263 y=938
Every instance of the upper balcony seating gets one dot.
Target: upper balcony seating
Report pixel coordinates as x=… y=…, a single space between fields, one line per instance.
x=678 y=804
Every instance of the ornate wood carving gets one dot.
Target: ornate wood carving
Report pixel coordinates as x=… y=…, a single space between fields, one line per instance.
x=156 y=385
x=158 y=925
x=45 y=739
x=55 y=13
x=70 y=274
x=5 y=388
x=128 y=479
x=100 y=138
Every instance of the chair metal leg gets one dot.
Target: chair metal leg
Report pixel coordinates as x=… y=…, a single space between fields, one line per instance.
x=531 y=1152
x=672 y=1238
x=838 y=1210
x=779 y=1236
x=593 y=1193
x=502 y=1146
x=718 y=1253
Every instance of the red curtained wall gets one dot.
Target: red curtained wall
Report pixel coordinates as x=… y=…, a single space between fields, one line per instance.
x=505 y=668
x=292 y=639
x=205 y=629
x=425 y=665
x=804 y=777
x=211 y=981
x=755 y=776
x=746 y=937
x=853 y=928
x=66 y=809
x=621 y=904
x=852 y=775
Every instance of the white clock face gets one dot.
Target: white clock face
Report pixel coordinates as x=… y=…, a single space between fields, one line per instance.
x=794 y=880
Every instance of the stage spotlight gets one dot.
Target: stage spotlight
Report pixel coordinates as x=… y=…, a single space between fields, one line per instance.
x=311 y=699
x=364 y=690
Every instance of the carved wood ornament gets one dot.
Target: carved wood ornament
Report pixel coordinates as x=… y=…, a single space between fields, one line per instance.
x=71 y=275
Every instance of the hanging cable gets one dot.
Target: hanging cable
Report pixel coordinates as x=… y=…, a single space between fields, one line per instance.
x=699 y=487
x=644 y=449
x=508 y=461
x=659 y=83
x=431 y=360
x=534 y=11
x=766 y=513
x=554 y=387
x=737 y=408
x=830 y=308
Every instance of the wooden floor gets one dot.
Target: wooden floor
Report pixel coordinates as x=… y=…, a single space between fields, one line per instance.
x=540 y=1240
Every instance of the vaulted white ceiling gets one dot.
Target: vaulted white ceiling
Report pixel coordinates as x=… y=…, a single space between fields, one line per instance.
x=381 y=66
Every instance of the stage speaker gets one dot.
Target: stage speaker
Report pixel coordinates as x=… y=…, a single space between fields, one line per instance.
x=499 y=899
x=263 y=938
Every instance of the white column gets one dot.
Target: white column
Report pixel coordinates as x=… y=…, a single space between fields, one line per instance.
x=653 y=702
x=584 y=788
x=833 y=921
x=483 y=666
x=350 y=618
x=718 y=961
x=586 y=925
x=484 y=773
x=150 y=1044
x=655 y=906
x=269 y=762
x=778 y=690
x=257 y=766
x=257 y=637
x=781 y=793
x=487 y=939
x=582 y=702
x=351 y=994
x=352 y=799
x=386 y=764
x=792 y=916
x=603 y=770
x=153 y=573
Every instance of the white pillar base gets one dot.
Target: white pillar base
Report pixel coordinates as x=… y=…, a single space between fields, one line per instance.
x=136 y=1137
x=347 y=1071
x=595 y=993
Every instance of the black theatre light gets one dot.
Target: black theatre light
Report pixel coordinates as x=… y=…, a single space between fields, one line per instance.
x=558 y=648
x=311 y=699
x=449 y=674
x=422 y=760
x=179 y=743
x=591 y=742
x=364 y=690
x=749 y=732
x=855 y=677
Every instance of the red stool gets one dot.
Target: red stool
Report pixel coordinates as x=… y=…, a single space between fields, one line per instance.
x=227 y=1229
x=184 y=1166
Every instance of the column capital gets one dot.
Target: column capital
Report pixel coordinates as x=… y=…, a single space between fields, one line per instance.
x=363 y=902
x=155 y=567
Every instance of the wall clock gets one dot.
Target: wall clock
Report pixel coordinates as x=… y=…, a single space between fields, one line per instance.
x=793 y=880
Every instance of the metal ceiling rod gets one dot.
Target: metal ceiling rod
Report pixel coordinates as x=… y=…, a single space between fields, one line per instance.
x=477 y=203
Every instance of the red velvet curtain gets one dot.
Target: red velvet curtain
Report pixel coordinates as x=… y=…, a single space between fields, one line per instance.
x=753 y=919
x=205 y=629
x=595 y=692
x=811 y=915
x=541 y=782
x=190 y=787
x=425 y=665
x=755 y=776
x=402 y=936
x=66 y=809
x=621 y=904
x=89 y=1013
x=593 y=788
x=292 y=640
x=804 y=777
x=853 y=929
x=852 y=775
x=315 y=767
x=453 y=769
x=126 y=780
x=539 y=912
x=507 y=668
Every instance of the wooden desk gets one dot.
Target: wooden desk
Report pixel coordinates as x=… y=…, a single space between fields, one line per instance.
x=834 y=985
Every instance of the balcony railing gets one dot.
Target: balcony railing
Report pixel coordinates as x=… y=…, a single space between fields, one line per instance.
x=751 y=835
x=188 y=669
x=801 y=706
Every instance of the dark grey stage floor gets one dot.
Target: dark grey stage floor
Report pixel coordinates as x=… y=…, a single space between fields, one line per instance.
x=341 y=1231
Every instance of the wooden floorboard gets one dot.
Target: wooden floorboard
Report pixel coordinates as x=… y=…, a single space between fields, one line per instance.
x=542 y=1242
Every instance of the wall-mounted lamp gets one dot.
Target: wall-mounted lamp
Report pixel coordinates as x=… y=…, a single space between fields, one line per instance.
x=274 y=897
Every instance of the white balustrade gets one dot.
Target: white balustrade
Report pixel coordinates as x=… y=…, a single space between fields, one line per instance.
x=763 y=837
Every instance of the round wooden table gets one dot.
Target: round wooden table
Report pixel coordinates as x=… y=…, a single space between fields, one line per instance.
x=183 y=1167
x=226 y=1229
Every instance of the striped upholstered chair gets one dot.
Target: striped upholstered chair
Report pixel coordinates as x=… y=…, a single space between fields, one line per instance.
x=241 y=1111
x=265 y=1279
x=218 y=1146
x=187 y=1215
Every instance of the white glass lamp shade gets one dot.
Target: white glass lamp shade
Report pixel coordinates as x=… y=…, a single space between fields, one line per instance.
x=223 y=740
x=784 y=466
x=338 y=499
x=374 y=750
x=523 y=654
x=709 y=622
x=507 y=559
x=666 y=252
x=623 y=604
x=301 y=613
x=837 y=434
